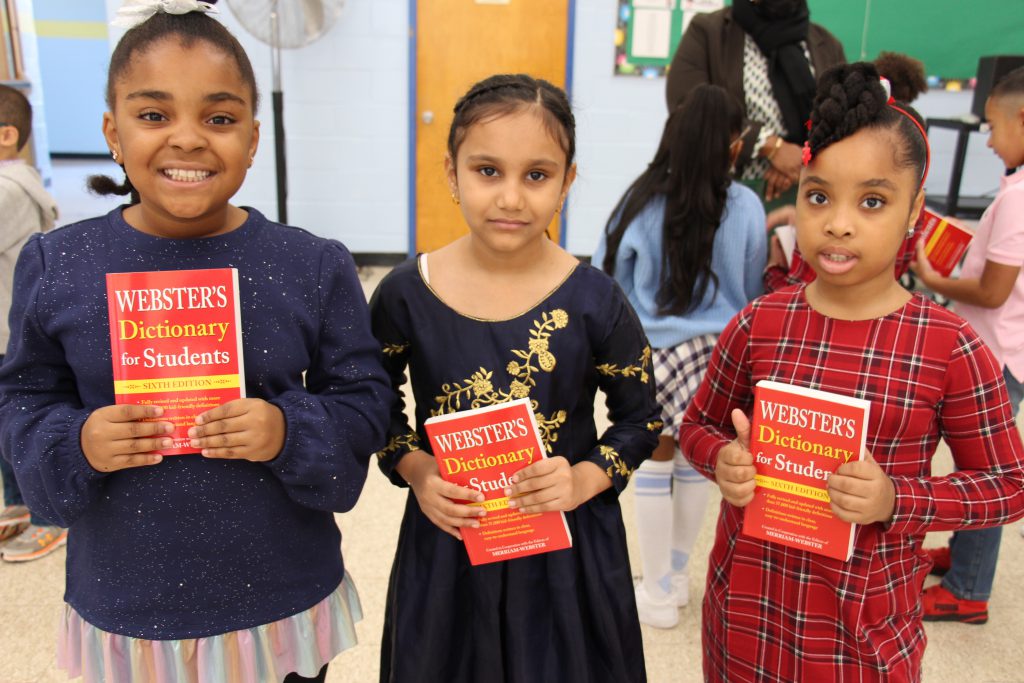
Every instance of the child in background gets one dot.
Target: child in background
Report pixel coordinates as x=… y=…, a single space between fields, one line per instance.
x=990 y=296
x=537 y=324
x=773 y=613
x=687 y=245
x=26 y=208
x=225 y=564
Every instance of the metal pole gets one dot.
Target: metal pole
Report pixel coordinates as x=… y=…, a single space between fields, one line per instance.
x=277 y=98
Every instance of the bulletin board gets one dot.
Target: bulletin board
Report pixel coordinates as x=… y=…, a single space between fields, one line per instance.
x=947 y=35
x=647 y=33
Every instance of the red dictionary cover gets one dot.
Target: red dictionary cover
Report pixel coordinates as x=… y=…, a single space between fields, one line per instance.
x=481 y=449
x=176 y=342
x=798 y=438
x=944 y=241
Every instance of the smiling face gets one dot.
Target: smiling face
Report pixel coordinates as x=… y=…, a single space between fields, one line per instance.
x=183 y=126
x=854 y=208
x=510 y=177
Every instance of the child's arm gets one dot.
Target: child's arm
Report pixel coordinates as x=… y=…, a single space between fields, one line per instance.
x=622 y=357
x=402 y=460
x=41 y=414
x=708 y=426
x=330 y=428
x=991 y=290
x=975 y=421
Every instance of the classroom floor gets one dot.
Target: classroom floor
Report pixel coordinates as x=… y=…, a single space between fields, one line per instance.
x=31 y=593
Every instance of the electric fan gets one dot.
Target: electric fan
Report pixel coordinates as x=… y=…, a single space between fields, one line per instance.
x=284 y=24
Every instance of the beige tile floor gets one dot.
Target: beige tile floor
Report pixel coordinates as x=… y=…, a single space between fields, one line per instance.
x=31 y=599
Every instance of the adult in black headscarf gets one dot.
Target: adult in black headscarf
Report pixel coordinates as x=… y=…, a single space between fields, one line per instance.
x=766 y=53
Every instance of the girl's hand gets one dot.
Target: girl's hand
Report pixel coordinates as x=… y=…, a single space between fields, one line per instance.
x=734 y=469
x=116 y=438
x=784 y=215
x=775 y=183
x=922 y=267
x=435 y=495
x=553 y=484
x=788 y=161
x=862 y=493
x=243 y=429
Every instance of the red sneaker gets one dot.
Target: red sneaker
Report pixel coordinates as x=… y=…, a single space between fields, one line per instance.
x=941 y=561
x=941 y=605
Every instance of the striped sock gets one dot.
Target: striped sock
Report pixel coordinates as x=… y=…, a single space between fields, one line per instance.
x=653 y=480
x=690 y=490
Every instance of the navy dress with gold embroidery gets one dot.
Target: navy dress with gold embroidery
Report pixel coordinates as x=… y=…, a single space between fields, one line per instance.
x=567 y=615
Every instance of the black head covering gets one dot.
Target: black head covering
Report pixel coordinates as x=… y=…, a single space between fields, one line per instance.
x=779 y=27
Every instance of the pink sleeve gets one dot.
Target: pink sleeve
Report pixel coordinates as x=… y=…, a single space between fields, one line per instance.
x=1006 y=240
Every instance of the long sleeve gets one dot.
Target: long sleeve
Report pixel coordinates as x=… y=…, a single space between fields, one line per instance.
x=707 y=424
x=334 y=426
x=41 y=414
x=976 y=422
x=623 y=362
x=690 y=66
x=394 y=340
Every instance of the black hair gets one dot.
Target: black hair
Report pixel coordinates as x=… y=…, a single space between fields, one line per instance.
x=851 y=98
x=1009 y=85
x=905 y=73
x=691 y=169
x=188 y=28
x=506 y=93
x=16 y=111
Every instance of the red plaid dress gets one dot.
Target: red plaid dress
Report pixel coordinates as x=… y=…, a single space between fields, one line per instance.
x=772 y=613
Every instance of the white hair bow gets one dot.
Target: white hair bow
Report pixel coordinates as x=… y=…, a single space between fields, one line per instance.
x=134 y=12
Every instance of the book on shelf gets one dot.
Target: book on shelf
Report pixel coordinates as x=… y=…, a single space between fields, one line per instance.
x=482 y=449
x=945 y=241
x=798 y=438
x=176 y=342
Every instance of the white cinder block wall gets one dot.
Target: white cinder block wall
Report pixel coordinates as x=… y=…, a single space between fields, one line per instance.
x=346 y=114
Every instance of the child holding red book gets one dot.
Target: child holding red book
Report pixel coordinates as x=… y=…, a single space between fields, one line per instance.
x=990 y=296
x=772 y=613
x=224 y=564
x=500 y=314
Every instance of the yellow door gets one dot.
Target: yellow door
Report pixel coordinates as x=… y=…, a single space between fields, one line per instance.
x=459 y=42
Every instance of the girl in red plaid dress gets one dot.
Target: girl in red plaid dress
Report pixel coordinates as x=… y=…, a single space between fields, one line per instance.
x=772 y=613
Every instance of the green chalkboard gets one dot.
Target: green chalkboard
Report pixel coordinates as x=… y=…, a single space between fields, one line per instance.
x=947 y=35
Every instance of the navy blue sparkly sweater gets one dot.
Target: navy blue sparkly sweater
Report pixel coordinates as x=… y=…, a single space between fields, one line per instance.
x=194 y=547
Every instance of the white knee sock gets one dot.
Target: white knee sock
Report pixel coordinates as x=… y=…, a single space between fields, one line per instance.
x=690 y=491
x=653 y=481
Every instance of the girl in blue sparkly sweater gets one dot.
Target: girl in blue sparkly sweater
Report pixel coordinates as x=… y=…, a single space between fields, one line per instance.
x=224 y=564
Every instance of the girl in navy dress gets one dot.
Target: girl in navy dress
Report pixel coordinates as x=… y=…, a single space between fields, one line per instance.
x=499 y=314
x=225 y=564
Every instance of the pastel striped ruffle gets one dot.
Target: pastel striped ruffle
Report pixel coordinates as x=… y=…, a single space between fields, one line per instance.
x=302 y=643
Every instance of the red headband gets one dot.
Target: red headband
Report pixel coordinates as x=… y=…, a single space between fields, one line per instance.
x=892 y=104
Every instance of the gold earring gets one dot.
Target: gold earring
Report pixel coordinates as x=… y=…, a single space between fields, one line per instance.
x=455 y=199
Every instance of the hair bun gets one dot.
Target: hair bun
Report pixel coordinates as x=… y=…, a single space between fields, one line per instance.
x=848 y=97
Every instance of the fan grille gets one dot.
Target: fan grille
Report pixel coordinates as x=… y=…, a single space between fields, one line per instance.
x=300 y=22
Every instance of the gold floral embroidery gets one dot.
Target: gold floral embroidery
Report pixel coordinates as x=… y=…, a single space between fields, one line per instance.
x=409 y=441
x=394 y=349
x=618 y=465
x=655 y=426
x=639 y=370
x=478 y=390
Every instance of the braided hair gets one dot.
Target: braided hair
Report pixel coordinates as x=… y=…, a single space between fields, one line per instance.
x=189 y=29
x=506 y=93
x=851 y=98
